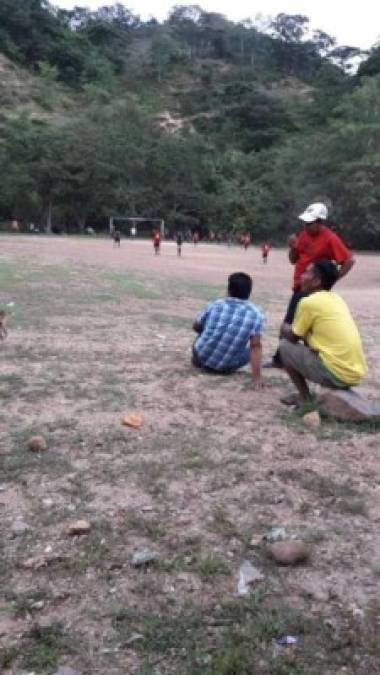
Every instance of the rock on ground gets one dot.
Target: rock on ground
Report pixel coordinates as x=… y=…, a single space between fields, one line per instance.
x=288 y=552
x=348 y=405
x=19 y=528
x=145 y=557
x=37 y=444
x=79 y=527
x=312 y=419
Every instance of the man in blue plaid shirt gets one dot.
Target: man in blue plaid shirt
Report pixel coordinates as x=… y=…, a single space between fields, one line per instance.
x=230 y=331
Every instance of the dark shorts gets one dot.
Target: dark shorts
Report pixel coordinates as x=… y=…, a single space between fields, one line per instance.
x=302 y=359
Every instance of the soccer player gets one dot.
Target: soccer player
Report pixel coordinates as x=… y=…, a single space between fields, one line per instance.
x=179 y=240
x=265 y=248
x=156 y=242
x=230 y=332
x=116 y=238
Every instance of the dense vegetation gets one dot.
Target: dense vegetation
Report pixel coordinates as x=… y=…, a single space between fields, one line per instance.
x=199 y=120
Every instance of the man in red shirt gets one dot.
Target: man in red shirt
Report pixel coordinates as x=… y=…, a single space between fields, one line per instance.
x=265 y=248
x=156 y=242
x=316 y=241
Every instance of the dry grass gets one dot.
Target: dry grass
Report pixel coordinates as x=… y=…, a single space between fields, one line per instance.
x=213 y=465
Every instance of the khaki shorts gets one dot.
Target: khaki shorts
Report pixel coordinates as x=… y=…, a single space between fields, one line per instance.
x=298 y=356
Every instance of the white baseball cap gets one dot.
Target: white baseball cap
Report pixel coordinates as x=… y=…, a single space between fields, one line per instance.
x=314 y=212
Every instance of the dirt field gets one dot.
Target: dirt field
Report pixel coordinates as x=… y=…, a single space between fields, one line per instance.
x=96 y=333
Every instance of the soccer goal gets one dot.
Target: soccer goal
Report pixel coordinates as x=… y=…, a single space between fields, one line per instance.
x=140 y=227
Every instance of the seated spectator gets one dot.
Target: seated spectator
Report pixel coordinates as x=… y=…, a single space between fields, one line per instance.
x=230 y=331
x=331 y=353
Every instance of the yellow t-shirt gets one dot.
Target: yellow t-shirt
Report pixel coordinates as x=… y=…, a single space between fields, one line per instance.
x=324 y=321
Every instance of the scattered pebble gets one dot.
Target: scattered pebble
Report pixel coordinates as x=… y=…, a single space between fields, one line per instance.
x=19 y=527
x=37 y=444
x=312 y=419
x=133 y=420
x=48 y=502
x=79 y=527
x=287 y=640
x=276 y=534
x=144 y=557
x=288 y=552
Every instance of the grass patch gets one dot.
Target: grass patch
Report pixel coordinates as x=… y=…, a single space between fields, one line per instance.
x=194 y=461
x=230 y=638
x=212 y=565
x=223 y=526
x=171 y=320
x=44 y=646
x=24 y=601
x=356 y=506
x=128 y=285
x=149 y=527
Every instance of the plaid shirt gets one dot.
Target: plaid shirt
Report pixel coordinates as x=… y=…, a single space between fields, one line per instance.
x=227 y=326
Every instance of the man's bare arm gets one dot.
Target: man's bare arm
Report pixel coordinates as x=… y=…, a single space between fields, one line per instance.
x=256 y=358
x=287 y=334
x=293 y=253
x=346 y=267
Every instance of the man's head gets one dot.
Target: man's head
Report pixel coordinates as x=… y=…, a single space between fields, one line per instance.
x=239 y=285
x=320 y=275
x=314 y=218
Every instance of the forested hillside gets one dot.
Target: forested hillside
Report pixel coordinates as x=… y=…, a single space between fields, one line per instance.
x=199 y=120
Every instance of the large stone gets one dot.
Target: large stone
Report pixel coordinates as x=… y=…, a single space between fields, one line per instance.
x=348 y=405
x=288 y=552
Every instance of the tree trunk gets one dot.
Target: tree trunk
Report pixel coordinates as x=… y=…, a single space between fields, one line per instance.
x=81 y=224
x=49 y=217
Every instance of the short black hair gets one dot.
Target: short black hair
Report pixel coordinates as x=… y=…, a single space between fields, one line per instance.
x=239 y=285
x=327 y=272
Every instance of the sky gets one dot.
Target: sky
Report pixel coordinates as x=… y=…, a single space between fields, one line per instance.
x=352 y=23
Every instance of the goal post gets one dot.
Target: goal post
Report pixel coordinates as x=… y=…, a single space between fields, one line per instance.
x=144 y=225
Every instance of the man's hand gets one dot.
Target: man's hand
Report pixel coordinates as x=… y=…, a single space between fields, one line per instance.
x=346 y=267
x=286 y=333
x=293 y=253
x=197 y=327
x=256 y=353
x=259 y=384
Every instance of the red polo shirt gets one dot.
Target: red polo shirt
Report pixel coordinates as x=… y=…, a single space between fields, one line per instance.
x=325 y=244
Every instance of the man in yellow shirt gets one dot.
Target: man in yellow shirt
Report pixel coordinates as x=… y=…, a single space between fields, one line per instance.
x=331 y=353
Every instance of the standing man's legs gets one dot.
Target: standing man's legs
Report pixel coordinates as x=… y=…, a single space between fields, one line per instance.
x=288 y=318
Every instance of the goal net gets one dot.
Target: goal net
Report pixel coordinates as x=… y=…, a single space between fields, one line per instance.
x=138 y=227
